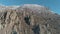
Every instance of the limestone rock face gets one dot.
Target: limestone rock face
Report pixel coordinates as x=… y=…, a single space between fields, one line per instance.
x=29 y=19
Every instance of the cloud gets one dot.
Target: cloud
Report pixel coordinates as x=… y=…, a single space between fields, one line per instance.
x=2 y=6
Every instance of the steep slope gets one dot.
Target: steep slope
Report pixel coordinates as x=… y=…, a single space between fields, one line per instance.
x=29 y=19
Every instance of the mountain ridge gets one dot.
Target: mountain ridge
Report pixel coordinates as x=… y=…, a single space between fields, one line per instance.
x=28 y=19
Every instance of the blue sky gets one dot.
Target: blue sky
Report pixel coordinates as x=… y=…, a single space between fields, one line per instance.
x=54 y=5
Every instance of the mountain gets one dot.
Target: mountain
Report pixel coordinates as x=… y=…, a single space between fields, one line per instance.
x=28 y=19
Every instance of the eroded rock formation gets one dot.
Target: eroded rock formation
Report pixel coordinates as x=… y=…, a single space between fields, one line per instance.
x=29 y=19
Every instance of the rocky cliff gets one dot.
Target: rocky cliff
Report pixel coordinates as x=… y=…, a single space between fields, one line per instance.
x=29 y=19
